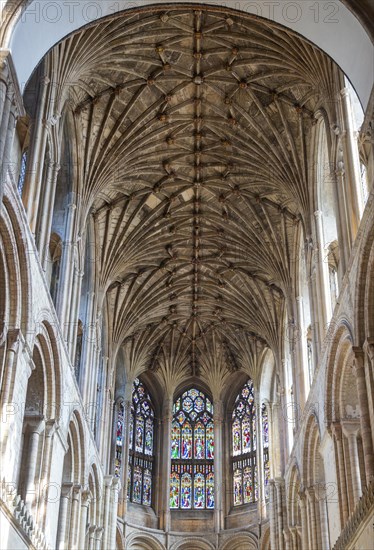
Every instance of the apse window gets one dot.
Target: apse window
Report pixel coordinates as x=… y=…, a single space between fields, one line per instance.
x=192 y=452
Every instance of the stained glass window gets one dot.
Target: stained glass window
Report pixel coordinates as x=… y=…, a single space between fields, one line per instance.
x=119 y=439
x=244 y=447
x=192 y=452
x=141 y=446
x=265 y=441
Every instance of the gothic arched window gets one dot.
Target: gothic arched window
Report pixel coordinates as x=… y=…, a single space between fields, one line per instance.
x=244 y=447
x=120 y=430
x=265 y=445
x=141 y=446
x=192 y=452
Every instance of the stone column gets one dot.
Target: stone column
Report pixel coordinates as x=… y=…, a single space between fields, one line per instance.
x=98 y=538
x=367 y=441
x=218 y=473
x=325 y=537
x=13 y=340
x=75 y=517
x=85 y=504
x=46 y=222
x=33 y=179
x=278 y=489
x=50 y=429
x=351 y=161
x=91 y=537
x=116 y=487
x=312 y=517
x=351 y=429
x=108 y=480
x=337 y=432
x=260 y=462
x=303 y=381
x=61 y=542
x=345 y=242
x=66 y=271
x=323 y=277
x=125 y=447
x=273 y=520
x=36 y=427
x=167 y=416
x=304 y=521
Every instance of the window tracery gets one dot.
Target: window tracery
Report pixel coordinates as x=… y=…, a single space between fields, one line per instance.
x=192 y=452
x=141 y=446
x=244 y=447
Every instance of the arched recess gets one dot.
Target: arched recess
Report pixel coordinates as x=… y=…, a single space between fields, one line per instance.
x=193 y=542
x=15 y=288
x=294 y=507
x=72 y=480
x=329 y=217
x=41 y=414
x=344 y=421
x=143 y=542
x=314 y=483
x=241 y=541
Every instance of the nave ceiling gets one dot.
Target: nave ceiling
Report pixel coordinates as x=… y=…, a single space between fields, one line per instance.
x=190 y=132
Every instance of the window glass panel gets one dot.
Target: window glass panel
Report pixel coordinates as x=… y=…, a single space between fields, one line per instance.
x=186 y=491
x=192 y=452
x=174 y=490
x=199 y=491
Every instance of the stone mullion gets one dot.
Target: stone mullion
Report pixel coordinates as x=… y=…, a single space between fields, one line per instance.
x=261 y=505
x=167 y=416
x=125 y=454
x=366 y=436
x=218 y=465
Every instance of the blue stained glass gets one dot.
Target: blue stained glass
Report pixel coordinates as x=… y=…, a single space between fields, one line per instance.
x=199 y=437
x=210 y=491
x=174 y=490
x=199 y=491
x=147 y=487
x=186 y=489
x=187 y=404
x=192 y=442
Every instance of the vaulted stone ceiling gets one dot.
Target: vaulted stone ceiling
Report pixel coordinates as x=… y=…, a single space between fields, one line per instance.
x=192 y=147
